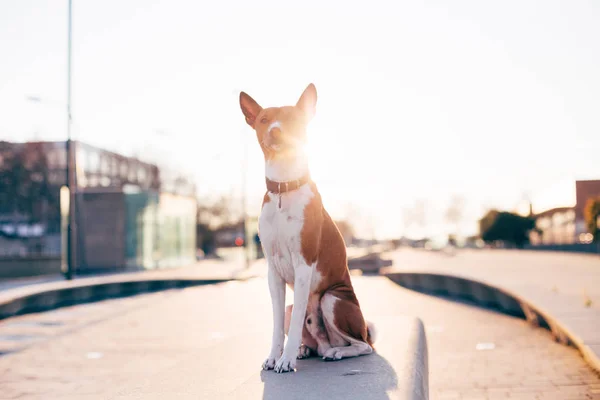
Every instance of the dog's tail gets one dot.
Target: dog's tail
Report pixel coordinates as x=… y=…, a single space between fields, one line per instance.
x=371 y=333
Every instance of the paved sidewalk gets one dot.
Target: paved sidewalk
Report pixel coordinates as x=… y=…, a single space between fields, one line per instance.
x=208 y=342
x=198 y=343
x=562 y=286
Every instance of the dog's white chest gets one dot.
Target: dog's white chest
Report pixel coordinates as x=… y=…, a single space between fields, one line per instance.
x=280 y=230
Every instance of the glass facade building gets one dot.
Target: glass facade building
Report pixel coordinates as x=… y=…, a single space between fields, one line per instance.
x=130 y=214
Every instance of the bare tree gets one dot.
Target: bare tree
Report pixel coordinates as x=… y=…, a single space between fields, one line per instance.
x=415 y=215
x=420 y=213
x=25 y=187
x=346 y=229
x=212 y=215
x=216 y=213
x=455 y=212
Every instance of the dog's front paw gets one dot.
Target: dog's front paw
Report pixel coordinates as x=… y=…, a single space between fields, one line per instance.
x=269 y=364
x=285 y=364
x=304 y=352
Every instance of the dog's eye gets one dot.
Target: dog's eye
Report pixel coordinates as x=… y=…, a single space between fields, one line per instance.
x=263 y=120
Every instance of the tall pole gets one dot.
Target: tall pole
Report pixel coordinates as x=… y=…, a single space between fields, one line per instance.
x=69 y=75
x=70 y=166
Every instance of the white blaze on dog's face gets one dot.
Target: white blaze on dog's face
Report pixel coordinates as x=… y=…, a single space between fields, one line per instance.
x=281 y=131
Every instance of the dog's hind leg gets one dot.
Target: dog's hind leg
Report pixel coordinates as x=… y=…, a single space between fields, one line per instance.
x=346 y=328
x=309 y=344
x=314 y=336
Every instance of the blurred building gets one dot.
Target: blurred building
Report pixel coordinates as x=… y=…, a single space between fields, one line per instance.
x=129 y=214
x=566 y=225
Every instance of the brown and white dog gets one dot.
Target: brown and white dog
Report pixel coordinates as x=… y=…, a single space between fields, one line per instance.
x=303 y=247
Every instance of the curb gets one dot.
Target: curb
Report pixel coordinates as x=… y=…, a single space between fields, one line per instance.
x=419 y=380
x=498 y=299
x=45 y=300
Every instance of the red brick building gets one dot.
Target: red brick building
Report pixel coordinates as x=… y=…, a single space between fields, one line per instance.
x=585 y=190
x=566 y=225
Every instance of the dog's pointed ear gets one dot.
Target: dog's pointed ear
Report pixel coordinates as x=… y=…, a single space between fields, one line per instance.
x=308 y=101
x=250 y=108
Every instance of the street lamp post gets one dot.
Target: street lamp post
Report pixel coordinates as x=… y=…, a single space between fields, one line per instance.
x=70 y=166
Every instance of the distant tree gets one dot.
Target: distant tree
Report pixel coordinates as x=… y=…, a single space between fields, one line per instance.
x=352 y=217
x=454 y=212
x=407 y=218
x=454 y=215
x=487 y=221
x=452 y=240
x=345 y=228
x=216 y=213
x=420 y=213
x=506 y=227
x=25 y=187
x=591 y=214
x=415 y=215
x=41 y=193
x=211 y=216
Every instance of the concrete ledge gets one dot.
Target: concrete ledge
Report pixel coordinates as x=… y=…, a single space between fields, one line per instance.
x=370 y=263
x=502 y=300
x=52 y=296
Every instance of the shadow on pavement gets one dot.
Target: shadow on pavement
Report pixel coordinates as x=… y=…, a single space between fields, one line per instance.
x=365 y=377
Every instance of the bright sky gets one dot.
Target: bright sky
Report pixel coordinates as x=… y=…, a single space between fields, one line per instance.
x=417 y=100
